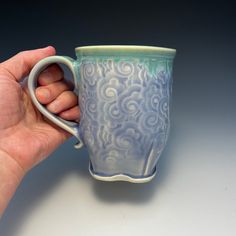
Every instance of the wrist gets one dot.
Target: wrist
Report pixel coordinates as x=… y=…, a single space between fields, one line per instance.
x=11 y=175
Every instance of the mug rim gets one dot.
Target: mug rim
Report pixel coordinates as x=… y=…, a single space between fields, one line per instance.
x=124 y=48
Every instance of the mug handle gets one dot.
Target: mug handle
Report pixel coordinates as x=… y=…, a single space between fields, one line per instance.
x=69 y=126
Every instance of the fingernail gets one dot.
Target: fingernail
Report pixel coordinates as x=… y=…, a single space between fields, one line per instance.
x=51 y=48
x=44 y=93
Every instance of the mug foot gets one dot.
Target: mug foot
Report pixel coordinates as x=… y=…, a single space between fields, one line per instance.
x=121 y=177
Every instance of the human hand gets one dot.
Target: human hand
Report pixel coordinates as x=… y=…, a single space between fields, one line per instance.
x=26 y=137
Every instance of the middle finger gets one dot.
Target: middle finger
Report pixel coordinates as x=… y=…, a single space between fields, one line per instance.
x=46 y=94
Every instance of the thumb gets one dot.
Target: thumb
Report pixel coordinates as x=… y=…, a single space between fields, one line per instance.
x=21 y=64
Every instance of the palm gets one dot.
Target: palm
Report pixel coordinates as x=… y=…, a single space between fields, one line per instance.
x=24 y=133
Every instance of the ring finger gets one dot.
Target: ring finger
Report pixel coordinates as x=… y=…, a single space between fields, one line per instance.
x=46 y=94
x=64 y=101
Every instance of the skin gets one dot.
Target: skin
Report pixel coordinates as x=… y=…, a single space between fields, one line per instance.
x=26 y=137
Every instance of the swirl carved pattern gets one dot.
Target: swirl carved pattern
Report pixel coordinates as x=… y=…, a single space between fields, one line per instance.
x=124 y=113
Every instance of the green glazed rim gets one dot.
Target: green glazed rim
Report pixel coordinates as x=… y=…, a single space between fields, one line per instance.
x=124 y=50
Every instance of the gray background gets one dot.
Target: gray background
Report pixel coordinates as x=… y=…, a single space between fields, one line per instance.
x=194 y=192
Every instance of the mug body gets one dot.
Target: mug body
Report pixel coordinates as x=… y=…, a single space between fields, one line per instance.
x=124 y=98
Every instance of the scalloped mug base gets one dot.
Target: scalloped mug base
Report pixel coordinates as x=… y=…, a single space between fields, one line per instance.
x=121 y=177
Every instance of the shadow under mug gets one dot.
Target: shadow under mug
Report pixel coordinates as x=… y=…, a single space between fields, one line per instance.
x=124 y=98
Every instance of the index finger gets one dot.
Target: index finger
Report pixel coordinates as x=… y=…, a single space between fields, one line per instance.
x=51 y=74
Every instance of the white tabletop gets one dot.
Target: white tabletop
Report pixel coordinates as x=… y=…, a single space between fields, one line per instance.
x=194 y=192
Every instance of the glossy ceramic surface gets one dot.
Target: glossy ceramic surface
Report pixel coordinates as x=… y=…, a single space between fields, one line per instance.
x=124 y=97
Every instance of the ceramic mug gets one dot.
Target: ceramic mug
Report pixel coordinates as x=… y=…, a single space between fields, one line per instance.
x=124 y=98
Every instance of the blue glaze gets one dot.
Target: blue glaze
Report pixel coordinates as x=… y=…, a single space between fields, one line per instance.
x=125 y=112
x=124 y=98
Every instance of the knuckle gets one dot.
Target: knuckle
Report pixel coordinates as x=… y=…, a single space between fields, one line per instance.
x=55 y=68
x=42 y=80
x=70 y=94
x=22 y=53
x=45 y=76
x=50 y=75
x=21 y=61
x=58 y=87
x=64 y=86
